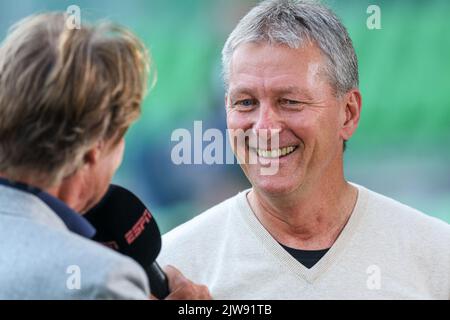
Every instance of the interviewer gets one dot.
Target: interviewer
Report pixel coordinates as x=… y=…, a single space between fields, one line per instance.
x=67 y=97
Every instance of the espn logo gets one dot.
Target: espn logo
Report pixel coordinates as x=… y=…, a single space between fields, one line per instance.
x=138 y=228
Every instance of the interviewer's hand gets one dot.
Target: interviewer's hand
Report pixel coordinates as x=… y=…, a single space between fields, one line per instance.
x=182 y=288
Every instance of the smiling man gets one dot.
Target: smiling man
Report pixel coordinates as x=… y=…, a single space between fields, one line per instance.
x=304 y=232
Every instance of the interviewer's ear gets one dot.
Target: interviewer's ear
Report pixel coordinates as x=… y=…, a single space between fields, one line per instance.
x=351 y=113
x=92 y=156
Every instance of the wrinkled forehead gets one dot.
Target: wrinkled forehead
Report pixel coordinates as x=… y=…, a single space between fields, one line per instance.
x=277 y=68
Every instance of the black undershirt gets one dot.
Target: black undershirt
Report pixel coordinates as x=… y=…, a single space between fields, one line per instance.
x=308 y=258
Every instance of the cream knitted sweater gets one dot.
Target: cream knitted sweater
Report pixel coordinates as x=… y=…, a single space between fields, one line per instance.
x=386 y=251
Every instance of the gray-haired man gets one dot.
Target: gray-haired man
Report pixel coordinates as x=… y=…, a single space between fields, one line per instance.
x=305 y=232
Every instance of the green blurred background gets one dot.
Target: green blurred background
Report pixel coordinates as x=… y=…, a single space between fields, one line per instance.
x=401 y=149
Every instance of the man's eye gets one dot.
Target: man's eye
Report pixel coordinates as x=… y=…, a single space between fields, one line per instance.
x=245 y=103
x=289 y=102
x=292 y=104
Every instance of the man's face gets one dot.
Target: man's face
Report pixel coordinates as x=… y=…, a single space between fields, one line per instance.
x=280 y=88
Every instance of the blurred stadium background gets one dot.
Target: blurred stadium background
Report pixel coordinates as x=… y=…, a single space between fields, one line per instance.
x=401 y=149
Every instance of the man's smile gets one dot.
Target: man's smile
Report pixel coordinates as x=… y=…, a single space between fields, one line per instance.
x=274 y=153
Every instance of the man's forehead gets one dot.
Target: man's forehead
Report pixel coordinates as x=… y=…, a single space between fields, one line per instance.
x=275 y=67
x=296 y=84
x=249 y=88
x=259 y=54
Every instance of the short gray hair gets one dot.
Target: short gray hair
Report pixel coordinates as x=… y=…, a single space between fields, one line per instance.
x=292 y=23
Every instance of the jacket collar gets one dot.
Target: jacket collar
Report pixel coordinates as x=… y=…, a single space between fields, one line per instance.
x=33 y=203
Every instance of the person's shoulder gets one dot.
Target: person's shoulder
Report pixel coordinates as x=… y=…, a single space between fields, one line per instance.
x=411 y=238
x=193 y=245
x=211 y=219
x=58 y=257
x=403 y=218
x=110 y=274
x=203 y=231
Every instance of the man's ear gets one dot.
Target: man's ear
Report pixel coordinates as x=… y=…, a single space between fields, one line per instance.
x=92 y=155
x=226 y=101
x=351 y=114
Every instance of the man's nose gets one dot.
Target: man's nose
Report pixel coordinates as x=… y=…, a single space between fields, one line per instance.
x=268 y=119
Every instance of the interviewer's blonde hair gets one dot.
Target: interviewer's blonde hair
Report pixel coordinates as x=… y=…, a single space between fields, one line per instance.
x=63 y=90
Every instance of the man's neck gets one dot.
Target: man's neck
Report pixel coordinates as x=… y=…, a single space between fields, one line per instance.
x=70 y=191
x=310 y=219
